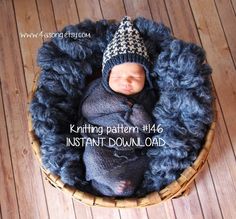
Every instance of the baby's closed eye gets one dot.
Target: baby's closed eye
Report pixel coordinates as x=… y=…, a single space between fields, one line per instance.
x=125 y=74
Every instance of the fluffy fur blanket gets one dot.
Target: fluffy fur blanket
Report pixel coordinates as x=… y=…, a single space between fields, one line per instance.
x=184 y=109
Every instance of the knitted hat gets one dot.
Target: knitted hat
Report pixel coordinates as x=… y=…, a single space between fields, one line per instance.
x=126 y=46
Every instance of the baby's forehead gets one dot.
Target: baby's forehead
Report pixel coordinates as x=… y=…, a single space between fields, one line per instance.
x=127 y=72
x=128 y=67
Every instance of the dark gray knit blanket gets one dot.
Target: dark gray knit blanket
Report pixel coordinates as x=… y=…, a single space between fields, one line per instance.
x=183 y=109
x=107 y=162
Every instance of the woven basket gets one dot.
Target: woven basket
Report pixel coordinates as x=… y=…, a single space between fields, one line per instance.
x=176 y=189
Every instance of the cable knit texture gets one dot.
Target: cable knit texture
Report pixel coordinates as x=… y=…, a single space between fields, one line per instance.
x=183 y=109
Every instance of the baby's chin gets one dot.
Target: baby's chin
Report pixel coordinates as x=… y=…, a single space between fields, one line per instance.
x=131 y=90
x=128 y=92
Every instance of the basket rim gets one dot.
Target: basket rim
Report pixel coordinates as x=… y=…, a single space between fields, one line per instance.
x=173 y=190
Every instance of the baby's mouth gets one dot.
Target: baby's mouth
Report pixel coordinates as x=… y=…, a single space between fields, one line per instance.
x=127 y=88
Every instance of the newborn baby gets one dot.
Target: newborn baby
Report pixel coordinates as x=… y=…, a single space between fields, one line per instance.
x=124 y=95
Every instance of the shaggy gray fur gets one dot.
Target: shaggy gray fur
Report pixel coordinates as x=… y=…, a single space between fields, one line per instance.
x=184 y=108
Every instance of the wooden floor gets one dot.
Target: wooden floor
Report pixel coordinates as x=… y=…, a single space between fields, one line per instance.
x=24 y=193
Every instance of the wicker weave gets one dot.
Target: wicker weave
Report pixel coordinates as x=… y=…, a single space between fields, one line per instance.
x=177 y=188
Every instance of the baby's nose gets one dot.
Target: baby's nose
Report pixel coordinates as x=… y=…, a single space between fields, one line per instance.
x=127 y=79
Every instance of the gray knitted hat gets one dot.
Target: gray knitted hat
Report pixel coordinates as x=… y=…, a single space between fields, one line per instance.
x=126 y=46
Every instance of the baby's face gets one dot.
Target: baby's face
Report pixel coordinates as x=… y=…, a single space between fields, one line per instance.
x=127 y=78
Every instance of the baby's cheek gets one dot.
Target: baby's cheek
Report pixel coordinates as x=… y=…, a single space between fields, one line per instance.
x=139 y=85
x=112 y=83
